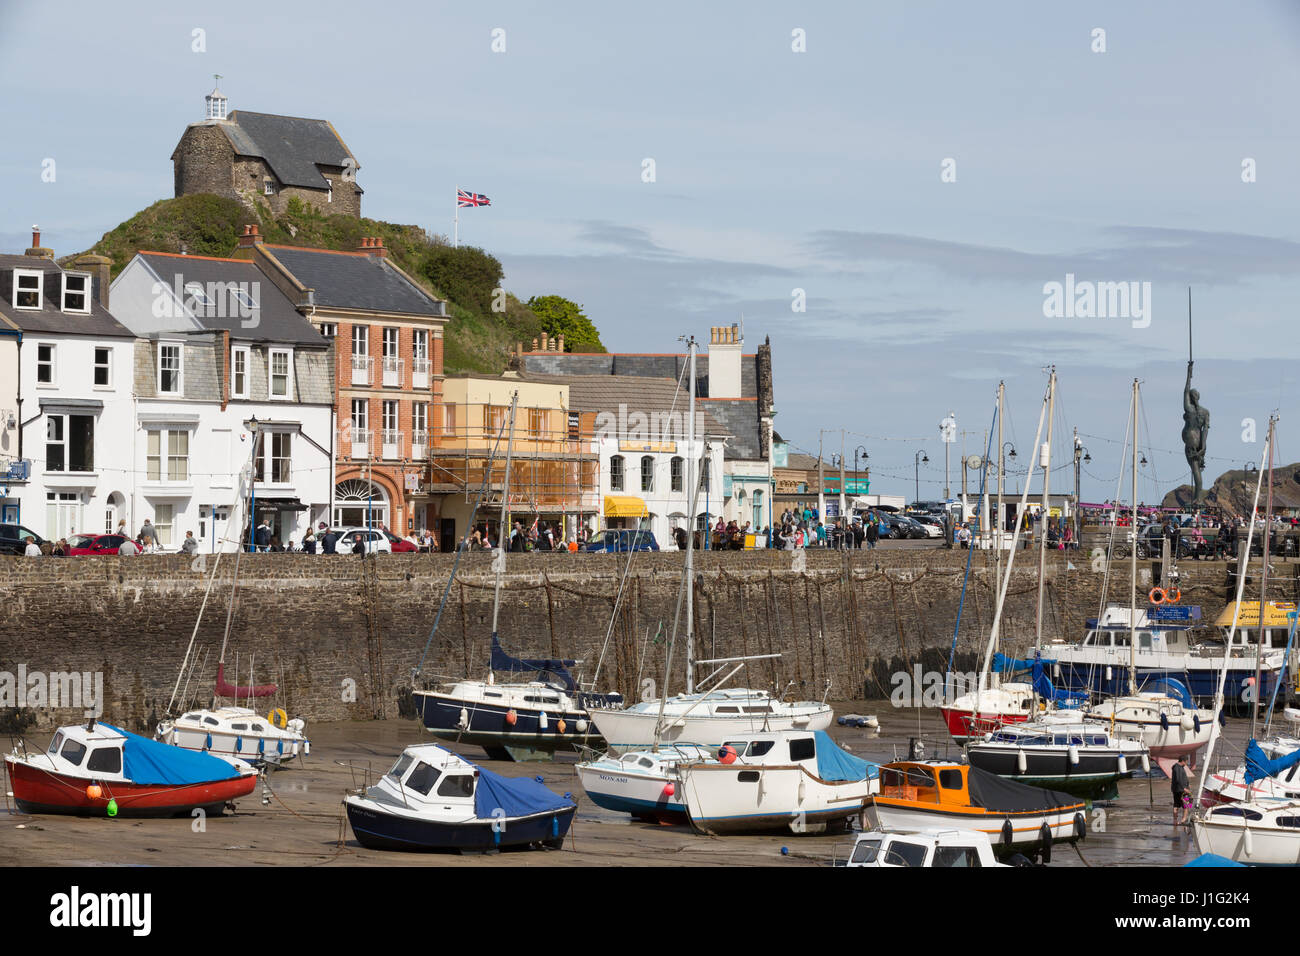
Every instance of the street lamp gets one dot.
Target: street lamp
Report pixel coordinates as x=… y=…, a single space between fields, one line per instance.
x=919 y=457
x=864 y=457
x=1080 y=455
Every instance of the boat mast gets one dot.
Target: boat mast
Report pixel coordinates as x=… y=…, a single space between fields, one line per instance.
x=1045 y=459
x=1133 y=578
x=504 y=530
x=690 y=523
x=1001 y=522
x=1263 y=579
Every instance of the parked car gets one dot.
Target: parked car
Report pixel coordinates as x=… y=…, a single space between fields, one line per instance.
x=400 y=545
x=372 y=540
x=910 y=527
x=933 y=526
x=13 y=538
x=80 y=545
x=623 y=539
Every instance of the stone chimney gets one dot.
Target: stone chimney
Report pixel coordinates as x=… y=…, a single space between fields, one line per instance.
x=545 y=345
x=37 y=251
x=252 y=237
x=377 y=247
x=725 y=347
x=99 y=268
x=559 y=343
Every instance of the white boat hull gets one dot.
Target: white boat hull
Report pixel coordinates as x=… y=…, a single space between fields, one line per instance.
x=1026 y=828
x=729 y=798
x=1253 y=845
x=632 y=730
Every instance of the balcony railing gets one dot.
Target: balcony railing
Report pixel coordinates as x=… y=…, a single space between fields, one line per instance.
x=393 y=371
x=419 y=373
x=390 y=444
x=360 y=442
x=419 y=444
x=363 y=370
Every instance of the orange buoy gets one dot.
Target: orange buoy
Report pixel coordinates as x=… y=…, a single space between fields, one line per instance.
x=727 y=754
x=559 y=725
x=1157 y=595
x=94 y=791
x=1173 y=596
x=511 y=717
x=669 y=789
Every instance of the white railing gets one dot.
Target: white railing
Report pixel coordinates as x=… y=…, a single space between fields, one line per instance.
x=360 y=440
x=419 y=444
x=420 y=373
x=391 y=444
x=392 y=371
x=363 y=367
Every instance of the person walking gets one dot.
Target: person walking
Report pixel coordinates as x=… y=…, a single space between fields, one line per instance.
x=147 y=531
x=309 y=542
x=873 y=530
x=262 y=536
x=329 y=541
x=1180 y=784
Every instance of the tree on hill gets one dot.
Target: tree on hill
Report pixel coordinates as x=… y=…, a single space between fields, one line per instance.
x=465 y=274
x=560 y=316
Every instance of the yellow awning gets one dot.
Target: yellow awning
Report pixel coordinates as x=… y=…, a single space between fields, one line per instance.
x=624 y=506
x=1274 y=616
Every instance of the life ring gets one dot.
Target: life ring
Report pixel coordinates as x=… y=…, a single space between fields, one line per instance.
x=1157 y=595
x=1173 y=596
x=277 y=718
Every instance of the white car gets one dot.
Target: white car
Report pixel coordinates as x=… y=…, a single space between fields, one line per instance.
x=372 y=540
x=933 y=526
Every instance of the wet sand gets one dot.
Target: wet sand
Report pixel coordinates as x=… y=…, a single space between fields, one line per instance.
x=303 y=822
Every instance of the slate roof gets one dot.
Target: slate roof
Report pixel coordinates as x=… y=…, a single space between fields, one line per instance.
x=278 y=319
x=605 y=393
x=292 y=147
x=656 y=366
x=739 y=419
x=803 y=462
x=347 y=280
x=50 y=318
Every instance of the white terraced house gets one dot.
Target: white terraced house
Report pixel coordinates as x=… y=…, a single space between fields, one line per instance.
x=223 y=360
x=65 y=464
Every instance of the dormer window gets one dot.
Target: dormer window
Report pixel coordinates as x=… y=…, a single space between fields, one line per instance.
x=27 y=289
x=169 y=368
x=76 y=292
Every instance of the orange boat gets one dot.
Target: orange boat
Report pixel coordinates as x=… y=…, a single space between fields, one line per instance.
x=927 y=794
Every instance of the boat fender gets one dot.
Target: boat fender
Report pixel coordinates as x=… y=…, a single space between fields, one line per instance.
x=207 y=742
x=560 y=725
x=1196 y=722
x=1173 y=596
x=841 y=721
x=1080 y=827
x=94 y=791
x=1045 y=837
x=1008 y=832
x=762 y=785
x=555 y=827
x=580 y=726
x=1186 y=722
x=278 y=718
x=1109 y=675
x=296 y=726
x=261 y=746
x=542 y=721
x=1249 y=843
x=1164 y=721
x=1223 y=718
x=803 y=789
x=1074 y=755
x=1022 y=762
x=112 y=809
x=1056 y=670
x=279 y=747
x=1146 y=762
x=669 y=789
x=1122 y=765
x=727 y=754
x=1157 y=595
x=462 y=721
x=239 y=744
x=511 y=716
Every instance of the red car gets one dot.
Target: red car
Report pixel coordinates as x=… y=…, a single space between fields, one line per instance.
x=91 y=544
x=400 y=545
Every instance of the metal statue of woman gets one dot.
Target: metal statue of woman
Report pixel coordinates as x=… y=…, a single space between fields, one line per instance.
x=1196 y=420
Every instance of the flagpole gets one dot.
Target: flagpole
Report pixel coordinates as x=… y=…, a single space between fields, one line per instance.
x=455 y=219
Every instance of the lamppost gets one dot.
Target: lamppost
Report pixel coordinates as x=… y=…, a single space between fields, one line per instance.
x=251 y=425
x=1080 y=455
x=919 y=457
x=864 y=457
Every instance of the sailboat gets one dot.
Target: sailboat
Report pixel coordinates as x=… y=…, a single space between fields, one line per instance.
x=528 y=720
x=1249 y=830
x=232 y=732
x=994 y=704
x=710 y=713
x=1170 y=726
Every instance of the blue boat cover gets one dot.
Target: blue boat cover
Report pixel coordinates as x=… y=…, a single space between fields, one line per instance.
x=514 y=796
x=150 y=762
x=1044 y=688
x=556 y=667
x=1009 y=665
x=1171 y=686
x=1258 y=766
x=836 y=764
x=1213 y=859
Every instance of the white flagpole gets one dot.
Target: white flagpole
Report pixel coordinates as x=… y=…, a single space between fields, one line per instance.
x=455 y=219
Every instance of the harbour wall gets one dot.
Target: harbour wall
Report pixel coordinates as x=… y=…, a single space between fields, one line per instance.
x=342 y=635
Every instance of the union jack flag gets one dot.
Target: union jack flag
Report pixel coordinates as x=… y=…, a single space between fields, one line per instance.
x=464 y=199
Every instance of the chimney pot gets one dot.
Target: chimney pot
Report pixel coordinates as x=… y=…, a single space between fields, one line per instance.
x=534 y=345
x=36 y=237
x=251 y=237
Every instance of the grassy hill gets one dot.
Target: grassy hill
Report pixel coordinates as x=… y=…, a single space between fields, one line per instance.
x=477 y=339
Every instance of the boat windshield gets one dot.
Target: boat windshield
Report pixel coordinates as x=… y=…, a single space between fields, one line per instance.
x=422 y=778
x=866 y=850
x=905 y=782
x=399 y=768
x=56 y=743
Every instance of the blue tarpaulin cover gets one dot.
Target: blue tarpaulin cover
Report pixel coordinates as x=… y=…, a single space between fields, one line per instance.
x=1258 y=766
x=1044 y=688
x=1171 y=686
x=150 y=762
x=1213 y=859
x=515 y=796
x=836 y=764
x=1008 y=665
x=555 y=667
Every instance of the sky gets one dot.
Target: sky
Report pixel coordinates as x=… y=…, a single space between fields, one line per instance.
x=883 y=191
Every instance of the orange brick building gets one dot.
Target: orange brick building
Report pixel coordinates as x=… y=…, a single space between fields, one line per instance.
x=388 y=340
